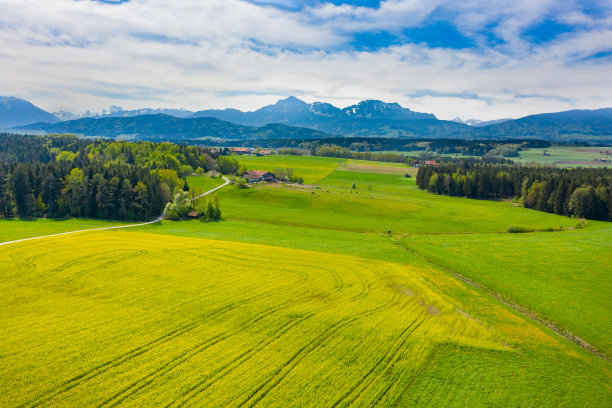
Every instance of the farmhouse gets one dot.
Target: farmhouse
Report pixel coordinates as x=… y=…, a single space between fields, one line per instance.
x=253 y=176
x=241 y=150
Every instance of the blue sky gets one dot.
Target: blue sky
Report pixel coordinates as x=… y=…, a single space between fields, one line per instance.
x=472 y=59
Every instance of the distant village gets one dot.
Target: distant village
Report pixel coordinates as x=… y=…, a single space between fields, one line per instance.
x=250 y=151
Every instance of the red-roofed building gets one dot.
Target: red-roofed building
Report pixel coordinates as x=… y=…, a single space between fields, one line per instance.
x=241 y=150
x=253 y=176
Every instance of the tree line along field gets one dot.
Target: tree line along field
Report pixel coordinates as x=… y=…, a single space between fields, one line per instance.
x=298 y=297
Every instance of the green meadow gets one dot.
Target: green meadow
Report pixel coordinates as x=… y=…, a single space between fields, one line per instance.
x=312 y=169
x=203 y=183
x=396 y=207
x=298 y=296
x=566 y=156
x=366 y=245
x=12 y=229
x=563 y=276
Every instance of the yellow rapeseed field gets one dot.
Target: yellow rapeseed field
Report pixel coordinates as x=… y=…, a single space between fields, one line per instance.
x=112 y=318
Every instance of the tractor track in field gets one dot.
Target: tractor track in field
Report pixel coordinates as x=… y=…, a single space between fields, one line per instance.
x=265 y=387
x=122 y=358
x=221 y=372
x=521 y=310
x=149 y=378
x=126 y=356
x=166 y=368
x=381 y=365
x=158 y=219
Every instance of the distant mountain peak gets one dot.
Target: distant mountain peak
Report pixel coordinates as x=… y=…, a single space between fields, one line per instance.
x=375 y=109
x=291 y=102
x=118 y=111
x=317 y=115
x=324 y=109
x=15 y=112
x=291 y=99
x=281 y=112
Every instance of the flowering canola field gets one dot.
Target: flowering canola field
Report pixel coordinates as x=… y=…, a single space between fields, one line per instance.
x=125 y=318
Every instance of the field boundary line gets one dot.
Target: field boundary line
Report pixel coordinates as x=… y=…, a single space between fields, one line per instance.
x=158 y=219
x=522 y=310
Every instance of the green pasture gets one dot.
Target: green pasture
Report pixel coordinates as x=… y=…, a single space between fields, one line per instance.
x=360 y=210
x=367 y=245
x=12 y=229
x=311 y=169
x=563 y=276
x=204 y=183
x=369 y=182
x=369 y=163
x=563 y=156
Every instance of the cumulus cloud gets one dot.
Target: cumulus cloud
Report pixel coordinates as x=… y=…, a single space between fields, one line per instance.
x=78 y=55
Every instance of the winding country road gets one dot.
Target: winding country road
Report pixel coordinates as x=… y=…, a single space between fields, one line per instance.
x=161 y=217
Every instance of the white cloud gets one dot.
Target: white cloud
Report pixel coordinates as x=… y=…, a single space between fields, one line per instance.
x=66 y=55
x=392 y=14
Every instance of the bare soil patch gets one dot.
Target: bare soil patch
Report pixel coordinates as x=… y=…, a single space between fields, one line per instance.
x=364 y=168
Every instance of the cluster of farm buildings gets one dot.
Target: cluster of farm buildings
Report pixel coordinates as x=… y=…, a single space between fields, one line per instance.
x=249 y=151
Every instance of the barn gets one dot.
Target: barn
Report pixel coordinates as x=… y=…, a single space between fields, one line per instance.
x=254 y=176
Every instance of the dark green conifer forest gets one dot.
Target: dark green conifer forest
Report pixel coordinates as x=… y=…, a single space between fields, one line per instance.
x=59 y=176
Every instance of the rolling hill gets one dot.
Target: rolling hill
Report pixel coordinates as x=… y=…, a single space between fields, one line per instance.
x=292 y=118
x=587 y=125
x=166 y=127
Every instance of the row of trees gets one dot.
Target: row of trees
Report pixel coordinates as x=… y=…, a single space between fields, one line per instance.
x=572 y=192
x=377 y=144
x=506 y=148
x=338 y=151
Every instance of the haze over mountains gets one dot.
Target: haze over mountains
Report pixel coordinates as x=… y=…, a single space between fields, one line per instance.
x=479 y=123
x=297 y=112
x=118 y=112
x=15 y=112
x=292 y=118
x=166 y=127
